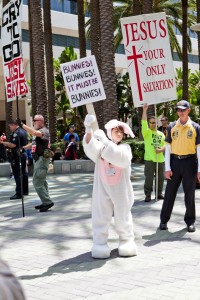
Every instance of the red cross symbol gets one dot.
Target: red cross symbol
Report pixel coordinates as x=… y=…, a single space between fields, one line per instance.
x=135 y=57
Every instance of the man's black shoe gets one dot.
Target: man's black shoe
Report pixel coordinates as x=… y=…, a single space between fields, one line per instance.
x=160 y=197
x=25 y=194
x=191 y=228
x=163 y=226
x=15 y=197
x=148 y=198
x=46 y=207
x=39 y=206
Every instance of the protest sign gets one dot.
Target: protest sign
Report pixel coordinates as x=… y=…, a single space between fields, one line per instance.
x=82 y=81
x=149 y=58
x=14 y=77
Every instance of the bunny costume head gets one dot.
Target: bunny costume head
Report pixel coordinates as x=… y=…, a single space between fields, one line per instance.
x=115 y=123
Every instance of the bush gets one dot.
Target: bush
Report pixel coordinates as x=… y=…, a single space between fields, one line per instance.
x=137 y=148
x=56 y=145
x=80 y=152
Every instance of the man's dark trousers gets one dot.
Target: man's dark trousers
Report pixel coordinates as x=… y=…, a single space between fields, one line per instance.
x=184 y=170
x=16 y=174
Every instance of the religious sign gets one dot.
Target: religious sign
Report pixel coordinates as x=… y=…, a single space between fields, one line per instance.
x=82 y=81
x=11 y=42
x=149 y=58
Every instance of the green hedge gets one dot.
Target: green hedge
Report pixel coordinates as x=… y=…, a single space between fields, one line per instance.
x=137 y=148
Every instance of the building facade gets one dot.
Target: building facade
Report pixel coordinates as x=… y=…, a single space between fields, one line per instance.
x=65 y=33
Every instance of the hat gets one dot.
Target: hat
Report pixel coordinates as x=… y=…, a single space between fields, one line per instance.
x=195 y=27
x=183 y=104
x=115 y=123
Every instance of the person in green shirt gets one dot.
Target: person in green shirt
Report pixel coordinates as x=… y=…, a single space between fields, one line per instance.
x=154 y=143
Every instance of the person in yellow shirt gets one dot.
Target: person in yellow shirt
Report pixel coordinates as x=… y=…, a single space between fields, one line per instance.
x=154 y=147
x=182 y=146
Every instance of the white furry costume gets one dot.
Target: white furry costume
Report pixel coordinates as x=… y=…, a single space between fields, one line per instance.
x=112 y=192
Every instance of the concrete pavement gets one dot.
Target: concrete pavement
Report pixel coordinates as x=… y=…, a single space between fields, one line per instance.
x=50 y=252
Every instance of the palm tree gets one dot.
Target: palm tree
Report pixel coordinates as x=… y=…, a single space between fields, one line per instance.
x=110 y=109
x=38 y=57
x=95 y=37
x=198 y=32
x=184 y=48
x=137 y=7
x=147 y=9
x=33 y=88
x=82 y=38
x=173 y=14
x=49 y=70
x=147 y=6
x=81 y=28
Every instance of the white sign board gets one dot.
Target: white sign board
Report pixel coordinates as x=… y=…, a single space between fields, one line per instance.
x=149 y=58
x=11 y=42
x=82 y=81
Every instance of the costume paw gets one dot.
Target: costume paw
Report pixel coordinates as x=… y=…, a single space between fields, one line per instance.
x=100 y=251
x=127 y=248
x=89 y=119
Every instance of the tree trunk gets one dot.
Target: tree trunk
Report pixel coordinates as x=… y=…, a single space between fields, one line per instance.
x=81 y=28
x=110 y=107
x=137 y=8
x=81 y=34
x=38 y=57
x=49 y=70
x=96 y=51
x=198 y=32
x=146 y=9
x=184 y=49
x=147 y=6
x=33 y=88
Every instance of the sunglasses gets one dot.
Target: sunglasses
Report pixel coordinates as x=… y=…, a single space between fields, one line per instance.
x=181 y=110
x=152 y=122
x=163 y=120
x=36 y=120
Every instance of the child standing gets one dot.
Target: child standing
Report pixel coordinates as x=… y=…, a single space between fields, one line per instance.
x=71 y=150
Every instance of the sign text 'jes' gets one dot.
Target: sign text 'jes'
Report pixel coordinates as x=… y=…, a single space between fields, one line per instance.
x=150 y=64
x=82 y=81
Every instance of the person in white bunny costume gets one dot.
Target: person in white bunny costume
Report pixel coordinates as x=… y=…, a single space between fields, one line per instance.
x=112 y=189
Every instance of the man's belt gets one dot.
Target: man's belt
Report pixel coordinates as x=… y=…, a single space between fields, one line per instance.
x=183 y=156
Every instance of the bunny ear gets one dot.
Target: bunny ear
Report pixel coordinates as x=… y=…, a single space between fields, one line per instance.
x=115 y=123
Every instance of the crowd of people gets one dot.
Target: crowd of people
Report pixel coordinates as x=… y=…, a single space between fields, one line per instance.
x=173 y=147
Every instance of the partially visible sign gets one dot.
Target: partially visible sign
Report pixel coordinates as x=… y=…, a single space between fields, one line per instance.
x=149 y=58
x=82 y=81
x=14 y=76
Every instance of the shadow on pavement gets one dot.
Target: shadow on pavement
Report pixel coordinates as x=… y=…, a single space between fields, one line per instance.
x=80 y=263
x=156 y=237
